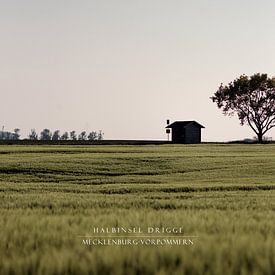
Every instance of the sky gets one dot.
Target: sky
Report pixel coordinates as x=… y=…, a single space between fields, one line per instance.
x=124 y=67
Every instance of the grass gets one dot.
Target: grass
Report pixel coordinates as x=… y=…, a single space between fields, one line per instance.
x=223 y=194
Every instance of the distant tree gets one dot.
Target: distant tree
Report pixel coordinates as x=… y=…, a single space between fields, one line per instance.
x=33 y=135
x=252 y=99
x=56 y=135
x=46 y=135
x=16 y=133
x=92 y=135
x=82 y=136
x=73 y=135
x=65 y=136
x=100 y=135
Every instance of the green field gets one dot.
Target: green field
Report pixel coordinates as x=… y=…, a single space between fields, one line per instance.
x=224 y=195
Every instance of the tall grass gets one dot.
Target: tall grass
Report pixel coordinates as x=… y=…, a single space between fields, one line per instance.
x=223 y=194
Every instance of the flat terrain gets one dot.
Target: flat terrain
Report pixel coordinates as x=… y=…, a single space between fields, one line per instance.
x=222 y=194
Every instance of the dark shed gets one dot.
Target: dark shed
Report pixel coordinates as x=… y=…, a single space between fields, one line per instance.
x=186 y=131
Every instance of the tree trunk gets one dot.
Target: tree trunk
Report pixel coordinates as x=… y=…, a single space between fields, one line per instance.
x=260 y=137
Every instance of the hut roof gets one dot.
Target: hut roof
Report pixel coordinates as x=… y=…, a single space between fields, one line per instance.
x=184 y=124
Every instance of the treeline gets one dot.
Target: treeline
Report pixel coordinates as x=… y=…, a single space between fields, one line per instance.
x=46 y=134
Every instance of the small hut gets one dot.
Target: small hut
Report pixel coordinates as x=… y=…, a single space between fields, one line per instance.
x=186 y=132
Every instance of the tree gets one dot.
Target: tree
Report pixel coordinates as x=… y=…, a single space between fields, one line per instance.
x=73 y=135
x=46 y=135
x=92 y=135
x=82 y=136
x=16 y=133
x=56 y=135
x=100 y=135
x=65 y=136
x=33 y=135
x=252 y=99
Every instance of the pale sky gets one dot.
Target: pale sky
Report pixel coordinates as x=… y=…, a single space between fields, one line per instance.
x=126 y=66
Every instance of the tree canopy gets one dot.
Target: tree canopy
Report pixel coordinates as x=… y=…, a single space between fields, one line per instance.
x=46 y=135
x=33 y=135
x=252 y=99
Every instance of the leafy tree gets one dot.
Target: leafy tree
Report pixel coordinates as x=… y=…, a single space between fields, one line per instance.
x=252 y=99
x=73 y=135
x=16 y=133
x=65 y=136
x=92 y=135
x=82 y=136
x=46 y=135
x=100 y=135
x=56 y=135
x=33 y=135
